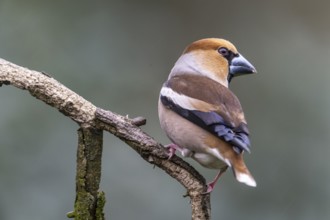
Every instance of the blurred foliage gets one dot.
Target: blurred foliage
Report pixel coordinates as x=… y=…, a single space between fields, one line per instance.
x=117 y=54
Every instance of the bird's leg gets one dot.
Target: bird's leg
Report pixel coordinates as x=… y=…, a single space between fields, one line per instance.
x=210 y=185
x=172 y=148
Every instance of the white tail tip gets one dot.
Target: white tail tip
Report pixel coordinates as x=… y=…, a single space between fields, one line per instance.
x=245 y=178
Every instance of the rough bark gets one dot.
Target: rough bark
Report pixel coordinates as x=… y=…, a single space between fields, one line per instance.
x=92 y=121
x=88 y=176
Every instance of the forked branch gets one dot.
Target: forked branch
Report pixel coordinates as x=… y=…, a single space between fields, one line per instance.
x=92 y=121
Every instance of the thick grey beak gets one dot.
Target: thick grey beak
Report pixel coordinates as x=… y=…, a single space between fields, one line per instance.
x=240 y=66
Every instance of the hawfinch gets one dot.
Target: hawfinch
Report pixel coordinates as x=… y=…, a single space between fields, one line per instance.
x=198 y=112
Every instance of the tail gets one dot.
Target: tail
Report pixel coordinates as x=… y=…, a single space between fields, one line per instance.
x=243 y=175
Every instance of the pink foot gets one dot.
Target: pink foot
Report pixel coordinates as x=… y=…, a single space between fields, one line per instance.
x=172 y=148
x=210 y=185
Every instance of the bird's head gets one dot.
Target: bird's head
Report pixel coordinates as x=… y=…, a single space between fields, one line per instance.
x=215 y=58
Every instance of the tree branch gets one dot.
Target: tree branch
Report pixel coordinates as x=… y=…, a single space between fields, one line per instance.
x=92 y=121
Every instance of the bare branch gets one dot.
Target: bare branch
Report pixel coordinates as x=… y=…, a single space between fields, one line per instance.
x=50 y=91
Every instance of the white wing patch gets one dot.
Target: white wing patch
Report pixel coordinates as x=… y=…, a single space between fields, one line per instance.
x=186 y=102
x=179 y=99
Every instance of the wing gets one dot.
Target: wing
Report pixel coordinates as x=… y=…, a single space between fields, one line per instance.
x=209 y=105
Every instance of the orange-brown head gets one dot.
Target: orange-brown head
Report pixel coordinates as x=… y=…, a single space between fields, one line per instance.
x=215 y=58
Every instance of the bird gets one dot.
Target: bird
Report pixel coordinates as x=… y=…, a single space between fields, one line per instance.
x=200 y=115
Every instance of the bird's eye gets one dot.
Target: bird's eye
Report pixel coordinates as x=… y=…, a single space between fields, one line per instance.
x=223 y=51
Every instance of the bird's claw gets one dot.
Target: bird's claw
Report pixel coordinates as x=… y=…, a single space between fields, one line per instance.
x=172 y=148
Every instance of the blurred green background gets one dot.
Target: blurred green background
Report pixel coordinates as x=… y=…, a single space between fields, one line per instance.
x=117 y=54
